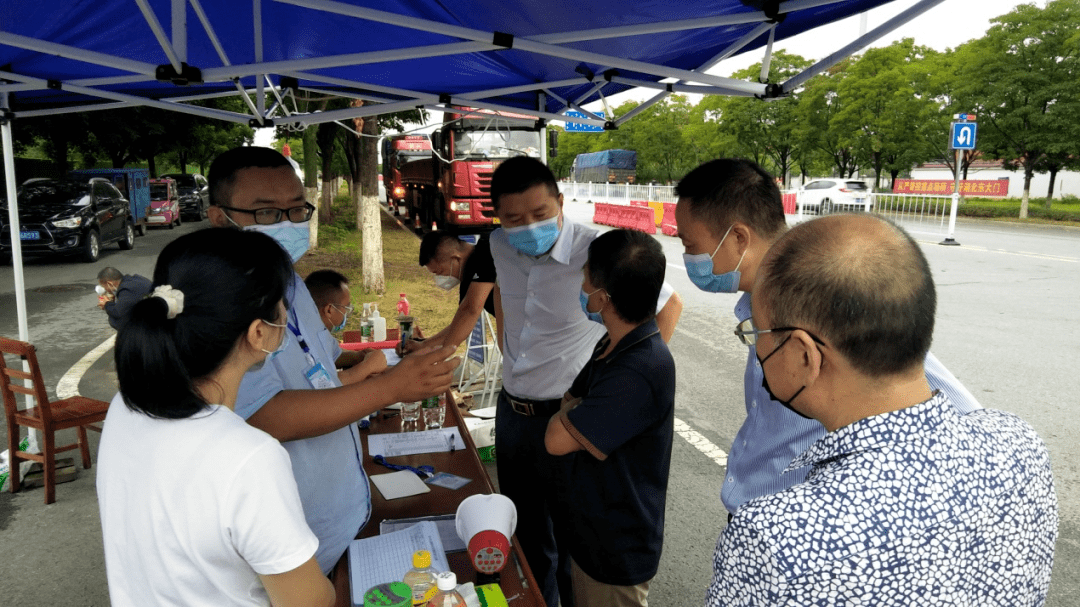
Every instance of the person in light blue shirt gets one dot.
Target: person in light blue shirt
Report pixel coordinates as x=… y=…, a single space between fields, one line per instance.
x=298 y=397
x=909 y=501
x=729 y=213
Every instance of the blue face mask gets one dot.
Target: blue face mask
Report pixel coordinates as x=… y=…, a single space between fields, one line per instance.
x=535 y=238
x=593 y=316
x=341 y=325
x=700 y=270
x=272 y=354
x=295 y=238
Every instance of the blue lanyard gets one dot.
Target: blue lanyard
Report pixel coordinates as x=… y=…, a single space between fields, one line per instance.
x=421 y=471
x=294 y=326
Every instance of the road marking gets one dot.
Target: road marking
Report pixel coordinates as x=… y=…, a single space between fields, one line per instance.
x=1004 y=252
x=68 y=385
x=701 y=443
x=675 y=265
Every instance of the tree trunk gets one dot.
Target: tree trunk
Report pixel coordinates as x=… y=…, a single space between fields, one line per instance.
x=151 y=164
x=1050 y=190
x=371 y=230
x=1029 y=169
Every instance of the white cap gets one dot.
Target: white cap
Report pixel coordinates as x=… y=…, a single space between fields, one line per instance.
x=446 y=581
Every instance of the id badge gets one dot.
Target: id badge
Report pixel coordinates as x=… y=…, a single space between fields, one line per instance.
x=319 y=378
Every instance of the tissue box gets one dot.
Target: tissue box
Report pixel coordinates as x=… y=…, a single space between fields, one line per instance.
x=483 y=435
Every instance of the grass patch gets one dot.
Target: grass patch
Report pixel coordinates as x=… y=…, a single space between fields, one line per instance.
x=1065 y=211
x=340 y=250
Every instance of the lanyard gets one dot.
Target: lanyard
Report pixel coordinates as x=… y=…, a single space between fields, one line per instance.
x=421 y=471
x=294 y=326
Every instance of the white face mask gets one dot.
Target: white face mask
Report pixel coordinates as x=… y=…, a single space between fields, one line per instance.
x=447 y=282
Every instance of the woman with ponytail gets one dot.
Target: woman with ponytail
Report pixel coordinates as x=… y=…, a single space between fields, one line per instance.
x=198 y=507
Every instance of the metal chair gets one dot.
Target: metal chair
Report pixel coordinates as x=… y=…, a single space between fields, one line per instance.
x=76 y=412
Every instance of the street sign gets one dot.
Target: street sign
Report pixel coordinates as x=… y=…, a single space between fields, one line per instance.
x=574 y=127
x=963 y=136
x=968 y=117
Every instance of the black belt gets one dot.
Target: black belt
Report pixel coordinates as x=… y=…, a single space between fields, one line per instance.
x=531 y=408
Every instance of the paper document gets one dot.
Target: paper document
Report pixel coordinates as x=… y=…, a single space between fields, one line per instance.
x=402 y=483
x=386 y=558
x=411 y=443
x=447 y=524
x=487 y=413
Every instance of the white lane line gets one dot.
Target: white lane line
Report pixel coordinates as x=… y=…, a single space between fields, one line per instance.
x=68 y=385
x=701 y=443
x=675 y=265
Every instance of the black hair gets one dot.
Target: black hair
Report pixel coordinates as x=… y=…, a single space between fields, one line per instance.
x=229 y=278
x=109 y=273
x=630 y=266
x=519 y=174
x=433 y=241
x=223 y=170
x=723 y=191
x=864 y=285
x=324 y=284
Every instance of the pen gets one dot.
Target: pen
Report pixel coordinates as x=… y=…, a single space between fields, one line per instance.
x=389 y=414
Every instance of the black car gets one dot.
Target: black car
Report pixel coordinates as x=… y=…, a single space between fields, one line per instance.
x=194 y=195
x=63 y=216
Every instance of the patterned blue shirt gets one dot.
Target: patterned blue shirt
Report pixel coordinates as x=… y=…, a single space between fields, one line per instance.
x=772 y=435
x=921 y=506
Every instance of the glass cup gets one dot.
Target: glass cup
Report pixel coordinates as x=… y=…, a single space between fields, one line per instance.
x=435 y=416
x=410 y=412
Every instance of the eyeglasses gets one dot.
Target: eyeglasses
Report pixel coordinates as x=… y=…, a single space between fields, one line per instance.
x=746 y=332
x=344 y=309
x=271 y=215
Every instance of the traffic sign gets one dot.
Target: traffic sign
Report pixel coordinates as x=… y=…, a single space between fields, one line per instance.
x=576 y=127
x=963 y=136
x=968 y=117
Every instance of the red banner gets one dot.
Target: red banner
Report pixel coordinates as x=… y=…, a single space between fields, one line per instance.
x=988 y=188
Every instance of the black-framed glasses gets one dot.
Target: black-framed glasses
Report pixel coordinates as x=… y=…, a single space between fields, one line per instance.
x=747 y=333
x=272 y=215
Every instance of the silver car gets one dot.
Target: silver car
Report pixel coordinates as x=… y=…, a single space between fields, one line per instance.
x=824 y=196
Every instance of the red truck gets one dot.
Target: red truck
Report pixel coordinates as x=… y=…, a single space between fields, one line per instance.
x=397 y=151
x=452 y=189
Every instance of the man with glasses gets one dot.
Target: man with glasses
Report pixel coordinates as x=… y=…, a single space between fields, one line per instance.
x=907 y=501
x=729 y=213
x=298 y=397
x=330 y=292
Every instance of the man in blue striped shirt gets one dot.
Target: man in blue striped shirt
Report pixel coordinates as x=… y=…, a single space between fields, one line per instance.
x=729 y=213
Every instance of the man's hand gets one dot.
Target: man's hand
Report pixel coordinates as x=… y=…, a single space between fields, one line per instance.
x=425 y=373
x=413 y=345
x=374 y=362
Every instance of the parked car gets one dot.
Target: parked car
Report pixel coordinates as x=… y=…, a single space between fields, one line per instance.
x=65 y=216
x=194 y=195
x=824 y=196
x=164 y=203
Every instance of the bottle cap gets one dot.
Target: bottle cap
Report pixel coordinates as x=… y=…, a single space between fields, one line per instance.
x=446 y=581
x=421 y=559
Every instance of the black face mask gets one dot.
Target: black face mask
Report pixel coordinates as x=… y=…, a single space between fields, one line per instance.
x=765 y=383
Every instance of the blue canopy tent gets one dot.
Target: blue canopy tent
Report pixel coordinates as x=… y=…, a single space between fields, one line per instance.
x=548 y=57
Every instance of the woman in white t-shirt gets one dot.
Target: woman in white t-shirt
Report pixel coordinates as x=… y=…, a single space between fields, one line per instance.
x=198 y=507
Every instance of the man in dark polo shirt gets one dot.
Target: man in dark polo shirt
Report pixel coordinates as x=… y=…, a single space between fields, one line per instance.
x=616 y=422
x=456 y=263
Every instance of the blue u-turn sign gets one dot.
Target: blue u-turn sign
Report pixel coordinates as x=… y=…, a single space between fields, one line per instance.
x=963 y=136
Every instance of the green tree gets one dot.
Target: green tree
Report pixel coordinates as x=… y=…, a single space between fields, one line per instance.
x=763 y=130
x=880 y=113
x=817 y=123
x=1026 y=86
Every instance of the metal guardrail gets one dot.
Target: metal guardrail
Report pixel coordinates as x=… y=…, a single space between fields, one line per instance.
x=916 y=213
x=616 y=193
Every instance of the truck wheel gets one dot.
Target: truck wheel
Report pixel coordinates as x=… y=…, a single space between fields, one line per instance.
x=141 y=230
x=128 y=241
x=91 y=247
x=179 y=219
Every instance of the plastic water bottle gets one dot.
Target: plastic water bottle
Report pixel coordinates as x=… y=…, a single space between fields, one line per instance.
x=403 y=306
x=378 y=325
x=365 y=324
x=421 y=578
x=448 y=595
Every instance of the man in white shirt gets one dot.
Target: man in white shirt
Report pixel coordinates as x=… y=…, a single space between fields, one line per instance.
x=546 y=340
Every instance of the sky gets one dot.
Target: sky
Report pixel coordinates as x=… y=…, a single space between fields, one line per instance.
x=947 y=25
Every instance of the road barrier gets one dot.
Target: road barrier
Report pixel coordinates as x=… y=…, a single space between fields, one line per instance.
x=667 y=223
x=916 y=213
x=615 y=193
x=624 y=216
